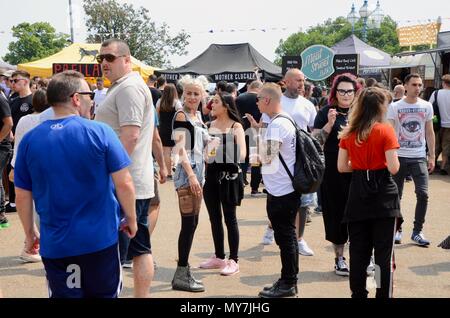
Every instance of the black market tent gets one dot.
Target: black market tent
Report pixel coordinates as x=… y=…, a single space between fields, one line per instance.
x=369 y=56
x=227 y=62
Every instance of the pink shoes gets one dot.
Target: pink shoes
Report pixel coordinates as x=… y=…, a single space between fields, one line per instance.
x=231 y=268
x=213 y=263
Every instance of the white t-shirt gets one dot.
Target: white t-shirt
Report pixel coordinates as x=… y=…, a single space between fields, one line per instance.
x=444 y=106
x=410 y=122
x=276 y=179
x=25 y=124
x=99 y=97
x=300 y=109
x=129 y=103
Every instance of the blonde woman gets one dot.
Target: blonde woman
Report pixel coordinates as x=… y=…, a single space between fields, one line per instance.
x=191 y=136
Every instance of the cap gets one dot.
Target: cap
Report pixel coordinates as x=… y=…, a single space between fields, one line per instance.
x=8 y=73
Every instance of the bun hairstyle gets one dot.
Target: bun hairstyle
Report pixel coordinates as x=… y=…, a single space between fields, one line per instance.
x=200 y=81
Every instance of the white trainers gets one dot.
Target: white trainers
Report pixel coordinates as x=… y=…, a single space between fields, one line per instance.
x=268 y=237
x=371 y=267
x=398 y=237
x=341 y=267
x=30 y=258
x=303 y=248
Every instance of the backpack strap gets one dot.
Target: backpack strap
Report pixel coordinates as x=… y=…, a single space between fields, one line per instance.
x=279 y=154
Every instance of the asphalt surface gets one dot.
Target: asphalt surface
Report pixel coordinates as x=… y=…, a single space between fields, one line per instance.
x=421 y=272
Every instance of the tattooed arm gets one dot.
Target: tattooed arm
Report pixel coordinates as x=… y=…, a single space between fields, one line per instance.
x=269 y=150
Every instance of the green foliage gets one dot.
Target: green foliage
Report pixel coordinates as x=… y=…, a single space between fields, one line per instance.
x=148 y=42
x=332 y=31
x=35 y=41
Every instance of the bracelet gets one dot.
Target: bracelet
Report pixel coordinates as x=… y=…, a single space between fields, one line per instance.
x=192 y=175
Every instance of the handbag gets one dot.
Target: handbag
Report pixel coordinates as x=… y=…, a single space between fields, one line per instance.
x=231 y=187
x=189 y=203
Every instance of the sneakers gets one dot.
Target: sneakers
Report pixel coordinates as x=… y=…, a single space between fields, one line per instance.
x=268 y=237
x=4 y=223
x=213 y=263
x=230 y=269
x=340 y=267
x=371 y=267
x=30 y=258
x=10 y=209
x=128 y=264
x=420 y=239
x=398 y=237
x=303 y=248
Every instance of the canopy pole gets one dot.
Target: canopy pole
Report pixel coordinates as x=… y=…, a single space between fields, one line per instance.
x=72 y=37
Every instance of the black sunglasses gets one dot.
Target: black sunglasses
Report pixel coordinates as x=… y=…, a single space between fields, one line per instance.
x=91 y=94
x=16 y=80
x=108 y=57
x=344 y=92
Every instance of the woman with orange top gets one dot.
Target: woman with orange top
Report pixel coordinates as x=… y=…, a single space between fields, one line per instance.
x=368 y=149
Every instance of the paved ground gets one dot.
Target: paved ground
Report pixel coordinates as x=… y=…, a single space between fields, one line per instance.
x=421 y=272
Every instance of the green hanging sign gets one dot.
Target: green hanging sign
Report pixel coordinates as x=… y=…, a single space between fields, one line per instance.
x=317 y=62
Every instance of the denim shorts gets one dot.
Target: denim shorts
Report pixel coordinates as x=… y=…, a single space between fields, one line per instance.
x=140 y=244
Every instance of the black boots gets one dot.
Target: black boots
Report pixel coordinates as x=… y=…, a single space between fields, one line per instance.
x=184 y=280
x=279 y=290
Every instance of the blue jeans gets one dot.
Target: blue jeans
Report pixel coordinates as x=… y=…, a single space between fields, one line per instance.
x=418 y=169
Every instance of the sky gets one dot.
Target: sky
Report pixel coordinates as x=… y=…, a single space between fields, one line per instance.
x=261 y=23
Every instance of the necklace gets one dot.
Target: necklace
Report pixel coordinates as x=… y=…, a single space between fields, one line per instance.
x=342 y=111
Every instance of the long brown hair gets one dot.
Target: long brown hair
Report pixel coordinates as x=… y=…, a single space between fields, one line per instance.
x=168 y=98
x=368 y=109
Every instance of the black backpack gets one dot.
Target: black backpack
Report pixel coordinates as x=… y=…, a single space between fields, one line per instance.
x=309 y=165
x=436 y=113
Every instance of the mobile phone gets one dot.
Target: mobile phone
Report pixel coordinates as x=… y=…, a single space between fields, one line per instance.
x=123 y=224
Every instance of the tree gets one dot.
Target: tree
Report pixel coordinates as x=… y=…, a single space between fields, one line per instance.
x=148 y=42
x=35 y=41
x=331 y=32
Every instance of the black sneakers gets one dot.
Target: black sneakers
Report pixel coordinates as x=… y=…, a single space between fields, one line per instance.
x=10 y=209
x=279 y=290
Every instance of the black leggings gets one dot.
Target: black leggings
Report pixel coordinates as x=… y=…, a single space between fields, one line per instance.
x=188 y=227
x=215 y=206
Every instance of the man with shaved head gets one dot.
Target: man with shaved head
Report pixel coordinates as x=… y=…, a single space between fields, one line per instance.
x=303 y=112
x=399 y=92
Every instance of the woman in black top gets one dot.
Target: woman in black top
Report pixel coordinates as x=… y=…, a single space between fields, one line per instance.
x=223 y=189
x=166 y=107
x=335 y=185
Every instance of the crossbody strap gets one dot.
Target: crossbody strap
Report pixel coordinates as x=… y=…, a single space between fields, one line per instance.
x=279 y=154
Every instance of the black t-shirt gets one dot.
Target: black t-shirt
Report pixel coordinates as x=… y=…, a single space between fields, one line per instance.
x=5 y=111
x=20 y=107
x=156 y=95
x=332 y=143
x=246 y=103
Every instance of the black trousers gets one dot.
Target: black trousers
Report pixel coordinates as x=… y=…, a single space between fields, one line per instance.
x=282 y=212
x=211 y=195
x=365 y=236
x=256 y=178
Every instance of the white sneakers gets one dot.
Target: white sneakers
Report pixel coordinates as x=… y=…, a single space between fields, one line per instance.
x=303 y=248
x=30 y=258
x=268 y=237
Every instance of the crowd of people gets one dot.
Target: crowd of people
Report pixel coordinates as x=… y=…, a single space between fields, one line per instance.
x=113 y=146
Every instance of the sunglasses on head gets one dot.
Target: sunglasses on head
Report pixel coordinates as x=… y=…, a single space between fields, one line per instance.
x=108 y=57
x=91 y=94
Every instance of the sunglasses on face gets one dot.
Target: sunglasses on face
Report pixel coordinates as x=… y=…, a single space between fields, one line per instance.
x=344 y=92
x=91 y=94
x=16 y=80
x=108 y=57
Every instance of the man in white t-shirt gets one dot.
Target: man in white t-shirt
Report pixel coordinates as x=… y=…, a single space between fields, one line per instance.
x=282 y=200
x=100 y=94
x=412 y=119
x=443 y=142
